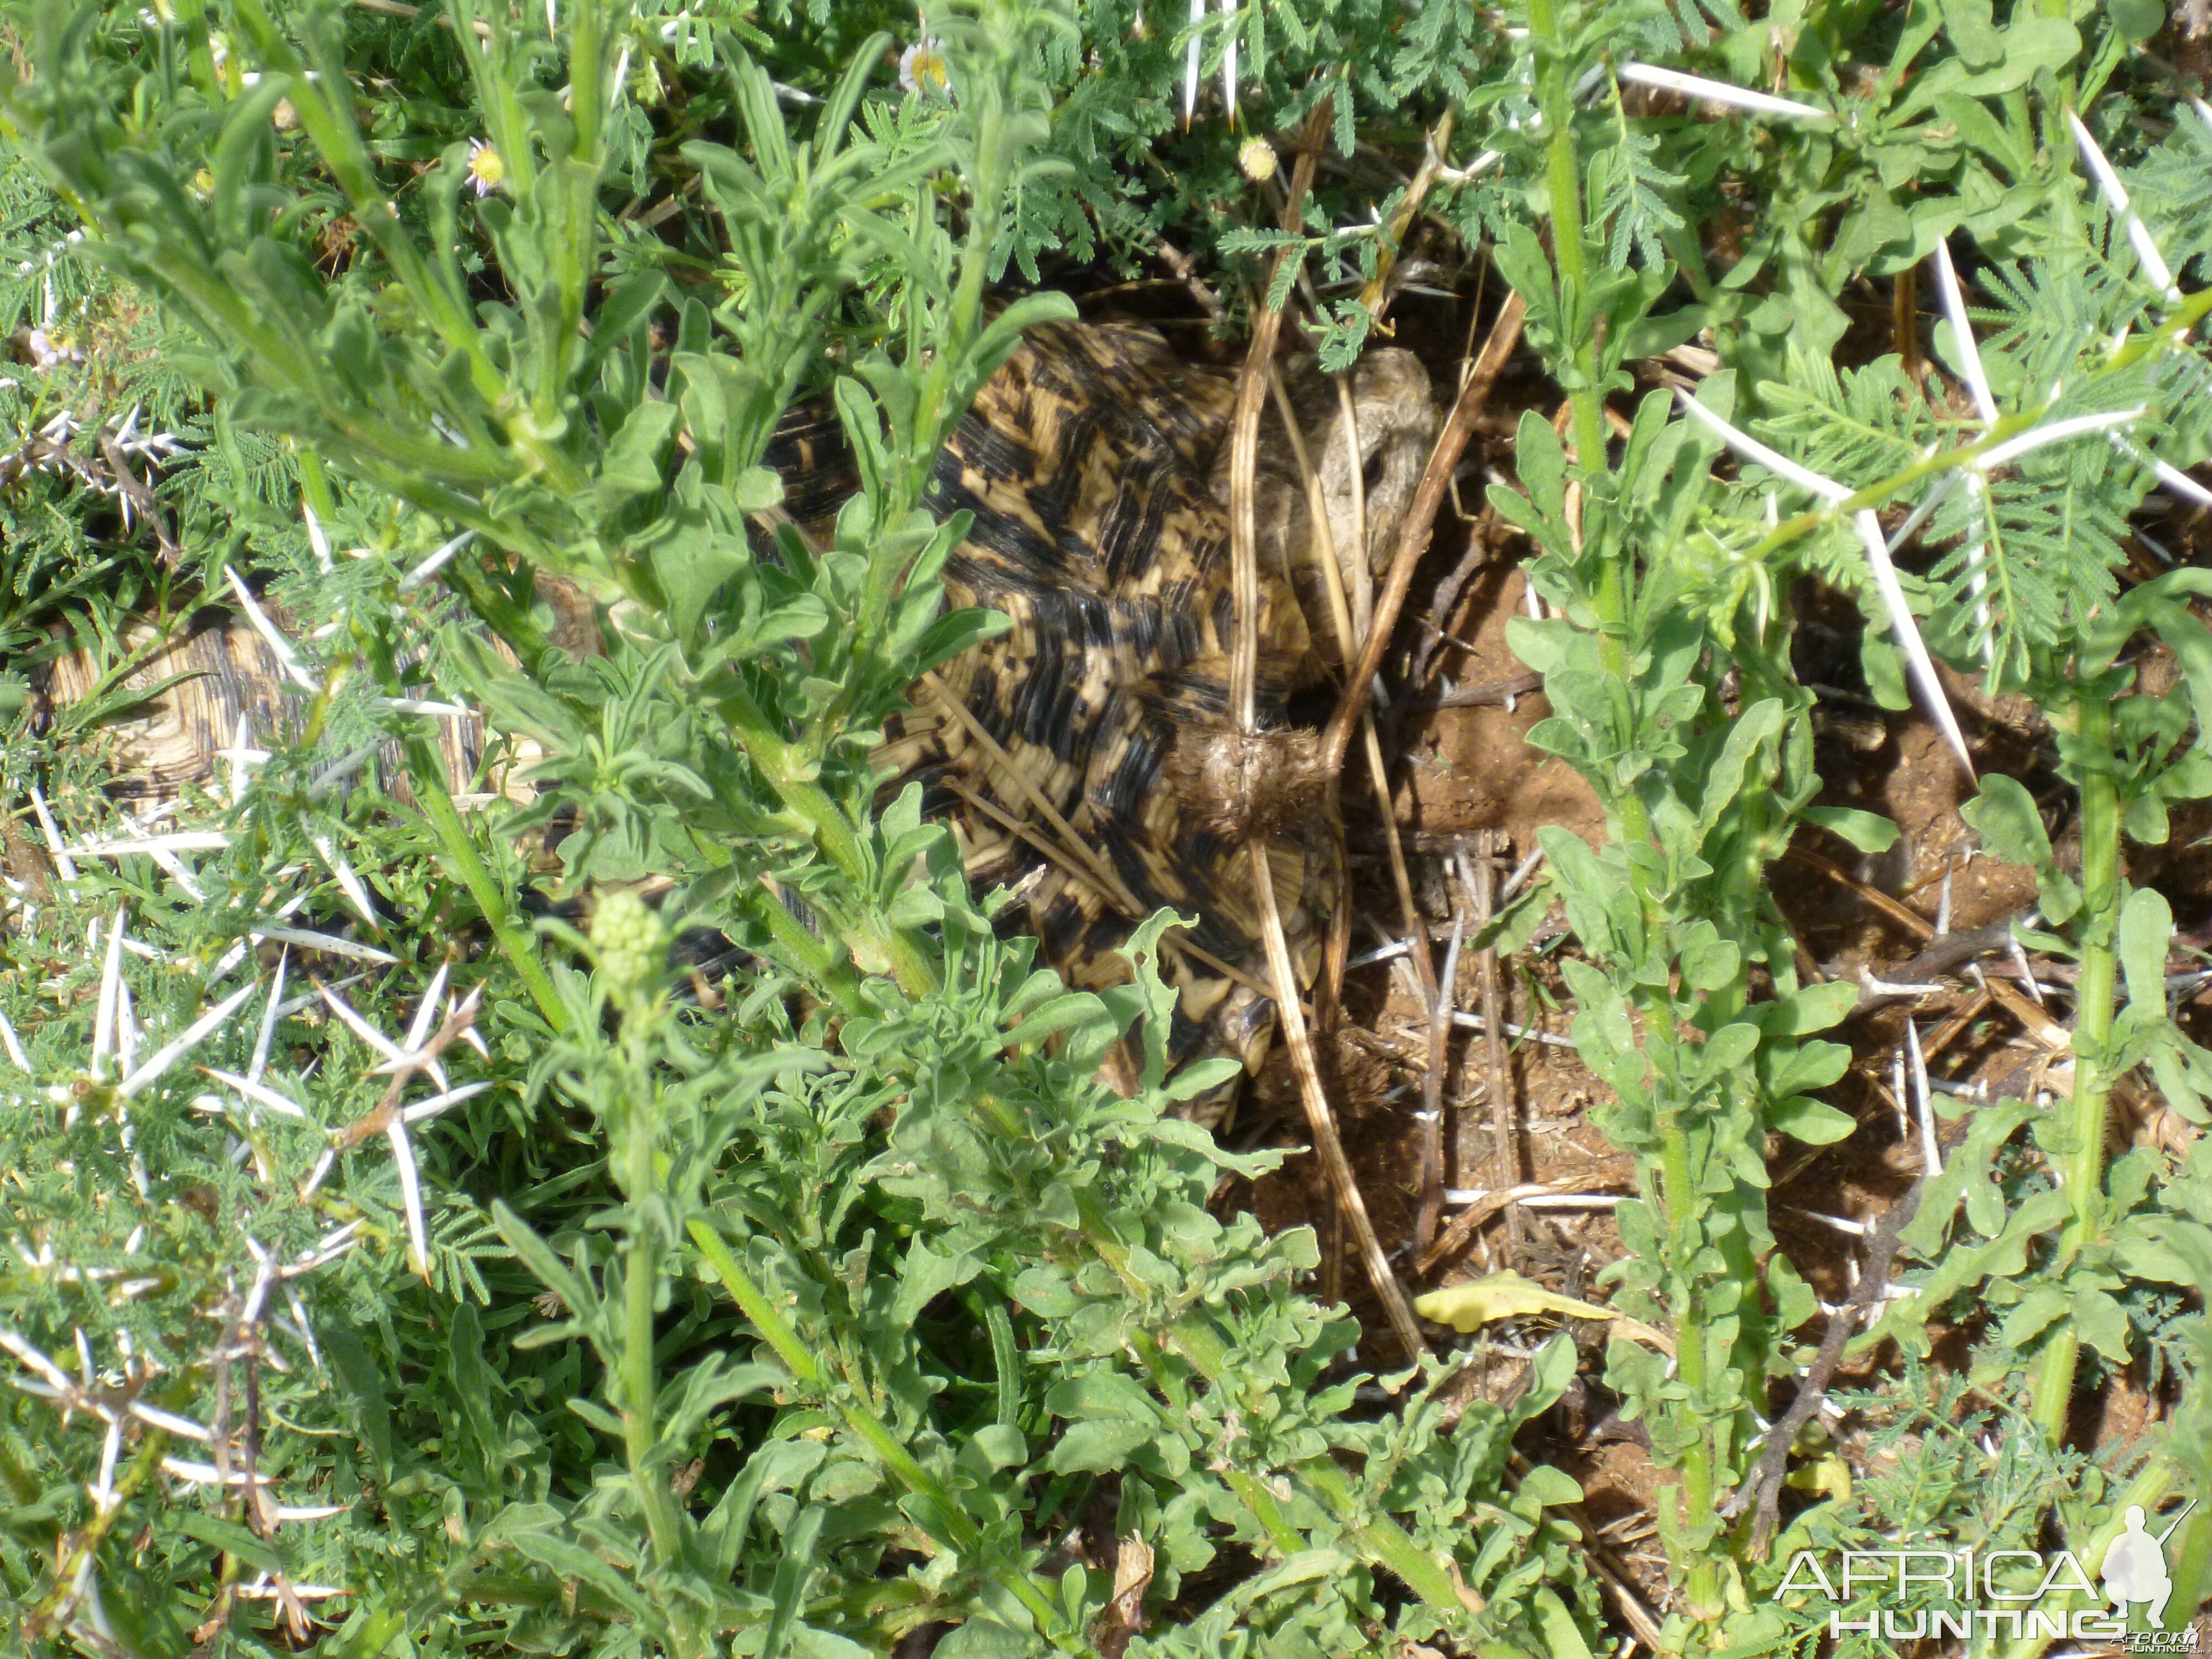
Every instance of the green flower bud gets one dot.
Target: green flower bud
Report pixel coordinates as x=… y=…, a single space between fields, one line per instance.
x=631 y=944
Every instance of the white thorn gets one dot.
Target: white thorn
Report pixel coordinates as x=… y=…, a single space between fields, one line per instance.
x=427 y=1012
x=359 y=1027
x=1932 y=1157
x=1752 y=450
x=1190 y=63
x=286 y=656
x=62 y=867
x=111 y=984
x=318 y=541
x=2056 y=432
x=1229 y=60
x=260 y=1060
x=1906 y=633
x=166 y=1056
x=440 y=1102
x=261 y=1094
x=2171 y=477
x=410 y=1197
x=1962 y=335
x=430 y=567
x=1720 y=92
x=307 y=939
x=2116 y=198
x=356 y=895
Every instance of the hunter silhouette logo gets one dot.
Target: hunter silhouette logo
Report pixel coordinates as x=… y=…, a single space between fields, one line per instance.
x=2135 y=1567
x=2135 y=1570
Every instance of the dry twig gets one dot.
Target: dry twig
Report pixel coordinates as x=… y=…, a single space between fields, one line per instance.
x=2038 y=1025
x=1421 y=519
x=1761 y=1489
x=1243 y=674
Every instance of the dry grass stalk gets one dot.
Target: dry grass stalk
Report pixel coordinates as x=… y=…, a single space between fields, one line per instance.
x=1506 y=1154
x=1350 y=633
x=1244 y=441
x=1413 y=536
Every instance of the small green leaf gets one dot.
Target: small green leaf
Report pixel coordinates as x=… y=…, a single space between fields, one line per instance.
x=1810 y=1008
x=1099 y=1445
x=2146 y=820
x=236 y=1540
x=2146 y=932
x=1794 y=1301
x=980 y=1638
x=573 y=1562
x=1973 y=35
x=2136 y=21
x=2036 y=1311
x=1709 y=962
x=2004 y=815
x=755 y=489
x=1868 y=831
x=1563 y=1638
x=1544 y=1486
x=1812 y=1121
x=2102 y=1322
x=1729 y=1048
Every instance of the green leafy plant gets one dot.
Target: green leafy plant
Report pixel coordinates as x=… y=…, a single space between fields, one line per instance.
x=860 y=1291
x=725 y=1243
x=1668 y=670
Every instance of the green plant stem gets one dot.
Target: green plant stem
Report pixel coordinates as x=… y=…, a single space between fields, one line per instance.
x=986 y=208
x=1563 y=181
x=820 y=961
x=1586 y=397
x=948 y=1518
x=577 y=242
x=2171 y=332
x=1190 y=1335
x=327 y=118
x=2082 y=1172
x=934 y=417
x=80 y=1546
x=1614 y=601
x=514 y=942
x=875 y=946
x=641 y=1280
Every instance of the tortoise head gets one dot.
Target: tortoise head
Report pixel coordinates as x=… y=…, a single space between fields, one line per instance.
x=1366 y=435
x=1369 y=446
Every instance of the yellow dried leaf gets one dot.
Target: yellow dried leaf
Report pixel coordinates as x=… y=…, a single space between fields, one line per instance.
x=1507 y=1295
x=1828 y=1475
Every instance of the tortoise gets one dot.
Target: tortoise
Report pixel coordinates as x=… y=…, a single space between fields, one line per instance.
x=1095 y=462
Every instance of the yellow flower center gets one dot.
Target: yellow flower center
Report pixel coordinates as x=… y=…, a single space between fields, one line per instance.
x=928 y=72
x=486 y=168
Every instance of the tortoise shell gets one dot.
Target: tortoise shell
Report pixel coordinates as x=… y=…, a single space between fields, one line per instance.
x=1094 y=463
